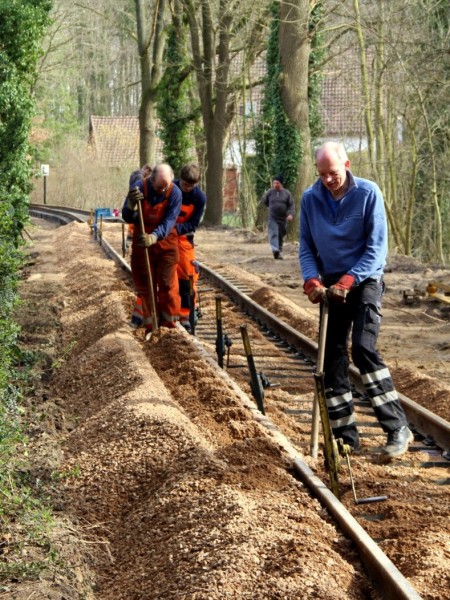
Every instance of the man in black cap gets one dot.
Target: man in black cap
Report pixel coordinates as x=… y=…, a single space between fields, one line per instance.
x=281 y=210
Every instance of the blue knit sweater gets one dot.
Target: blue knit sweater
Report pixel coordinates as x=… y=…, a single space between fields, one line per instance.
x=354 y=241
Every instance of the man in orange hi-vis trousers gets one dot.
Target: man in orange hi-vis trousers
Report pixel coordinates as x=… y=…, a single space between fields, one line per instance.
x=161 y=203
x=192 y=209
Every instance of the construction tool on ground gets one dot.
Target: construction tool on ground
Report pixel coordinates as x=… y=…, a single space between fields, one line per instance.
x=412 y=296
x=345 y=450
x=151 y=292
x=432 y=291
x=91 y=220
x=192 y=304
x=222 y=341
x=124 y=241
x=256 y=382
x=332 y=458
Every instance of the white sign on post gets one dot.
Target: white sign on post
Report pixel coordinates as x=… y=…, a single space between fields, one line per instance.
x=45 y=170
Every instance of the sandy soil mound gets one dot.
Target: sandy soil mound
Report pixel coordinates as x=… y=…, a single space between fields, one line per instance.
x=304 y=320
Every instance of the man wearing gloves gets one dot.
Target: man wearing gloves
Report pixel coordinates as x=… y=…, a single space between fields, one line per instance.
x=281 y=210
x=161 y=203
x=343 y=248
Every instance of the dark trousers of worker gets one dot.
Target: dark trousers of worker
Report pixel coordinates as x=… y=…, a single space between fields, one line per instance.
x=277 y=231
x=186 y=269
x=361 y=316
x=163 y=258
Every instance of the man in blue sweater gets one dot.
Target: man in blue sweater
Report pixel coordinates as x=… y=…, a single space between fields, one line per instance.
x=343 y=248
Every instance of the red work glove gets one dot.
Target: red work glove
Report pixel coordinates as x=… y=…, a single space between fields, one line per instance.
x=314 y=289
x=339 y=290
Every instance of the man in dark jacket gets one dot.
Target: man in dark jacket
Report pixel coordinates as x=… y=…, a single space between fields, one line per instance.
x=281 y=210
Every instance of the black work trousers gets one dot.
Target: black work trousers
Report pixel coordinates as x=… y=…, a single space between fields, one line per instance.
x=359 y=316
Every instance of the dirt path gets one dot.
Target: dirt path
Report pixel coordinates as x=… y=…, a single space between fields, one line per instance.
x=169 y=488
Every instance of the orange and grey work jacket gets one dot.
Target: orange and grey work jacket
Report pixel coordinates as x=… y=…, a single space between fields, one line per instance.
x=191 y=212
x=159 y=211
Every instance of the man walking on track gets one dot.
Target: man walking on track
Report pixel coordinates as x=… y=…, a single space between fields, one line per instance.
x=192 y=209
x=161 y=202
x=281 y=210
x=343 y=248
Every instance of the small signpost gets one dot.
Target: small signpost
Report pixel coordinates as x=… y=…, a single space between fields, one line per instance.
x=45 y=170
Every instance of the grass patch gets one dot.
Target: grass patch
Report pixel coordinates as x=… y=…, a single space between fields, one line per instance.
x=25 y=517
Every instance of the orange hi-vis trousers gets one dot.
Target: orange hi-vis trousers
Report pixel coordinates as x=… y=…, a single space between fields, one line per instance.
x=185 y=269
x=163 y=257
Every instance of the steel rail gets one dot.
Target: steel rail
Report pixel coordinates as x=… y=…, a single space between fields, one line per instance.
x=61 y=216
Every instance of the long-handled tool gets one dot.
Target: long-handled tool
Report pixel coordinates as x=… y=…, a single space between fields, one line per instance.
x=345 y=450
x=222 y=341
x=151 y=292
x=124 y=241
x=331 y=453
x=314 y=444
x=192 y=304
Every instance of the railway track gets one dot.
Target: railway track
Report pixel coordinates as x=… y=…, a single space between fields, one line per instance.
x=285 y=359
x=297 y=350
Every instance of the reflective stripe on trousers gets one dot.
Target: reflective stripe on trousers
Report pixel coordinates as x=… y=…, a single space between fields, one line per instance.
x=163 y=258
x=359 y=317
x=185 y=268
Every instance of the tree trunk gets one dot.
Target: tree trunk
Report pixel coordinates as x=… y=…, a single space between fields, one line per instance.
x=147 y=132
x=295 y=49
x=151 y=39
x=214 y=176
x=212 y=79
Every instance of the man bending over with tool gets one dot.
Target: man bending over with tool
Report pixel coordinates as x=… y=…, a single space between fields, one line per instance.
x=192 y=209
x=343 y=247
x=161 y=202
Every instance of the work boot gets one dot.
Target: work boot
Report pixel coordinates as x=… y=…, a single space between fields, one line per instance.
x=136 y=322
x=397 y=442
x=168 y=324
x=276 y=253
x=186 y=324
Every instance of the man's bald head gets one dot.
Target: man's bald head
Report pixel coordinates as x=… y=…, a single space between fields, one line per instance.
x=332 y=163
x=162 y=177
x=330 y=150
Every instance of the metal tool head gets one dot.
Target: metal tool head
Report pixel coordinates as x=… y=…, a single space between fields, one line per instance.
x=370 y=500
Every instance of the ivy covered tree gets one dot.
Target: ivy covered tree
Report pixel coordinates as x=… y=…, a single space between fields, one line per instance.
x=273 y=122
x=22 y=26
x=290 y=117
x=174 y=105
